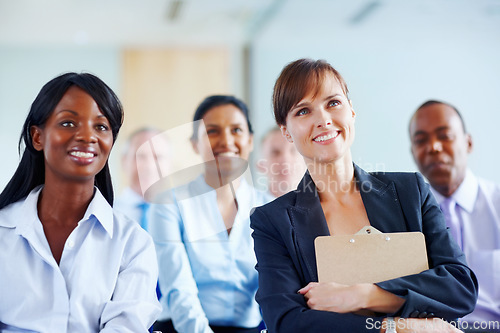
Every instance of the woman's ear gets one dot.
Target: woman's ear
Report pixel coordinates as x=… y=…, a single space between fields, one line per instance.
x=286 y=134
x=250 y=142
x=352 y=109
x=36 y=137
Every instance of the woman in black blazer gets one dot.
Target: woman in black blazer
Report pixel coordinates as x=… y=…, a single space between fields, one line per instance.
x=336 y=197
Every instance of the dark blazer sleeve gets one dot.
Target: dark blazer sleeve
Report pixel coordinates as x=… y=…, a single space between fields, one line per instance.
x=281 y=276
x=449 y=288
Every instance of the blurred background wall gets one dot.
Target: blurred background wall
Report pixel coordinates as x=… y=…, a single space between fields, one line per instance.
x=162 y=57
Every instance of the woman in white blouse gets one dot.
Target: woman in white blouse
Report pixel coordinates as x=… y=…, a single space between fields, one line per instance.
x=203 y=237
x=69 y=262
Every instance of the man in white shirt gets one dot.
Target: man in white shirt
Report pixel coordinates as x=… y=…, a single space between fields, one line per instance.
x=145 y=154
x=440 y=146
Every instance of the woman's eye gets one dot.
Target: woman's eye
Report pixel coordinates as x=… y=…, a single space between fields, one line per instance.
x=102 y=127
x=302 y=112
x=333 y=103
x=237 y=130
x=211 y=131
x=67 y=124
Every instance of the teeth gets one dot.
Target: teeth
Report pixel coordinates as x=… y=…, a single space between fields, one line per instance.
x=326 y=137
x=82 y=154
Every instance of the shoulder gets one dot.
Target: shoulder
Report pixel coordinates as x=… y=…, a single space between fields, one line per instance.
x=120 y=228
x=261 y=197
x=9 y=215
x=128 y=230
x=397 y=177
x=20 y=211
x=282 y=202
x=409 y=187
x=275 y=211
x=488 y=186
x=401 y=179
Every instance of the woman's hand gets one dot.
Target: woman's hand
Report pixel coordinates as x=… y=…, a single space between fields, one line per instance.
x=334 y=297
x=421 y=325
x=342 y=298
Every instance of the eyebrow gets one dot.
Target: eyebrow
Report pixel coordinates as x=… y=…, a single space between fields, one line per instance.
x=76 y=113
x=70 y=111
x=216 y=125
x=439 y=129
x=301 y=104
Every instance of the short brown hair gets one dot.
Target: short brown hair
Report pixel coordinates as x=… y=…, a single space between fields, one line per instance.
x=297 y=79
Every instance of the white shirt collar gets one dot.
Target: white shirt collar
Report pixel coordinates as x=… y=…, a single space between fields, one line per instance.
x=98 y=207
x=466 y=194
x=102 y=210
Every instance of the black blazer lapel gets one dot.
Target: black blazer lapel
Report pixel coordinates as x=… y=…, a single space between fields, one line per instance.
x=381 y=202
x=308 y=222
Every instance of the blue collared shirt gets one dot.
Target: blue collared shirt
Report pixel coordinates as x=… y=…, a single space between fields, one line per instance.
x=478 y=211
x=206 y=275
x=105 y=281
x=130 y=203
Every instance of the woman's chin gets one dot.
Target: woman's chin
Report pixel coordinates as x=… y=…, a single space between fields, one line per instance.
x=231 y=167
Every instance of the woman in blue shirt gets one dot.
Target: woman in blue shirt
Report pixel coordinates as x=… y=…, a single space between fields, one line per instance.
x=203 y=237
x=69 y=262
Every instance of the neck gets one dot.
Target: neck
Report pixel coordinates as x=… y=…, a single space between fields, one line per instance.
x=64 y=203
x=222 y=184
x=448 y=189
x=333 y=178
x=136 y=188
x=217 y=180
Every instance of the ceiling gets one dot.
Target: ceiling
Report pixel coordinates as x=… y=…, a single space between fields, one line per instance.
x=209 y=22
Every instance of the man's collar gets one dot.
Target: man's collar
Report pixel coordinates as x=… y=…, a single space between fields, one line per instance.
x=465 y=195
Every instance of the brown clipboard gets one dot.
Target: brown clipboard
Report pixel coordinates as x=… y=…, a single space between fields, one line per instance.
x=370 y=256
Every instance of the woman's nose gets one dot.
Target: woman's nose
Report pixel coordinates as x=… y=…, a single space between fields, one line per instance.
x=226 y=138
x=86 y=133
x=324 y=119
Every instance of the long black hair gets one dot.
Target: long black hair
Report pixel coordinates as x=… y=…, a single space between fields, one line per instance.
x=31 y=169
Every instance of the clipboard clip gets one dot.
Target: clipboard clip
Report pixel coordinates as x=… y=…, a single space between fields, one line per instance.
x=368 y=230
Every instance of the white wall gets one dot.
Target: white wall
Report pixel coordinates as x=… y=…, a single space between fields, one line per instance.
x=23 y=72
x=402 y=54
x=394 y=61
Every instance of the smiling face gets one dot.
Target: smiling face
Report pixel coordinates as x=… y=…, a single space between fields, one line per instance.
x=227 y=139
x=440 y=146
x=321 y=124
x=76 y=139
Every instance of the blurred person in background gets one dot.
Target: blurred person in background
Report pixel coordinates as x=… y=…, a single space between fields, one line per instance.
x=280 y=162
x=202 y=234
x=140 y=167
x=440 y=145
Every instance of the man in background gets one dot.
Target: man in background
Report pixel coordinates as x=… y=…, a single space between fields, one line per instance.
x=143 y=159
x=281 y=163
x=440 y=146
